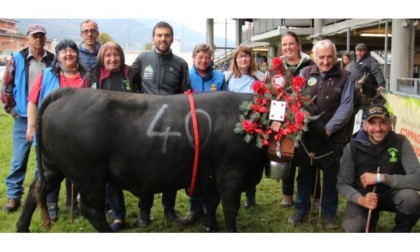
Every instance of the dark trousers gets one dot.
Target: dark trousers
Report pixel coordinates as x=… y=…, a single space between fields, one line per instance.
x=405 y=203
x=288 y=183
x=197 y=201
x=115 y=198
x=146 y=201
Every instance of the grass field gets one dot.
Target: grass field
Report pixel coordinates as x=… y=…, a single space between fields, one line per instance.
x=267 y=217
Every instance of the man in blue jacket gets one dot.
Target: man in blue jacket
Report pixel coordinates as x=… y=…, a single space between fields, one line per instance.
x=203 y=79
x=21 y=71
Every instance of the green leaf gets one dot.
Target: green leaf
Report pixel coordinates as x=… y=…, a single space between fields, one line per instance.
x=259 y=143
x=248 y=138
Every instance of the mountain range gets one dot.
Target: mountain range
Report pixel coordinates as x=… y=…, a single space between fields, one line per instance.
x=138 y=31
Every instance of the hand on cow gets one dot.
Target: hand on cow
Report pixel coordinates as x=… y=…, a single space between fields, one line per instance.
x=369 y=201
x=30 y=133
x=368 y=179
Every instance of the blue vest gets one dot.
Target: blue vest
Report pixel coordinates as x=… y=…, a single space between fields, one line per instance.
x=20 y=92
x=50 y=82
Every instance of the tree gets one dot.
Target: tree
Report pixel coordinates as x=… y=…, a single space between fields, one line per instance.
x=104 y=37
x=148 y=46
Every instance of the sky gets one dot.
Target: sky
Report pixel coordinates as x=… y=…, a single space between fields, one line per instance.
x=221 y=25
x=194 y=13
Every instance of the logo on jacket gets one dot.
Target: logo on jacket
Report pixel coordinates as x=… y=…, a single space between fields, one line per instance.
x=393 y=155
x=311 y=81
x=148 y=73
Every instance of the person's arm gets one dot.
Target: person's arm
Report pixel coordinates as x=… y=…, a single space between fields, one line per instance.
x=32 y=107
x=137 y=64
x=411 y=165
x=346 y=181
x=346 y=177
x=224 y=86
x=377 y=73
x=7 y=97
x=135 y=80
x=30 y=132
x=344 y=111
x=185 y=82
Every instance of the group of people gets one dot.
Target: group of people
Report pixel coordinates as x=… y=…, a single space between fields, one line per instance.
x=378 y=171
x=34 y=72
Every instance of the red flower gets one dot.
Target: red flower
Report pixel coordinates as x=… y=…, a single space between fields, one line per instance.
x=299 y=117
x=259 y=87
x=248 y=126
x=294 y=107
x=277 y=63
x=257 y=123
x=298 y=83
x=264 y=141
x=259 y=109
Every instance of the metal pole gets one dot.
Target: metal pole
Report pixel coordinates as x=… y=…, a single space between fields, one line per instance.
x=386 y=54
x=225 y=36
x=348 y=40
x=412 y=49
x=129 y=30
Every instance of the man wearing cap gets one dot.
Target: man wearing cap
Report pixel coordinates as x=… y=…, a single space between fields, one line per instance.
x=21 y=71
x=365 y=64
x=379 y=172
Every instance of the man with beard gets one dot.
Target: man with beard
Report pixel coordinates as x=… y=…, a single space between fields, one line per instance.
x=379 y=172
x=162 y=73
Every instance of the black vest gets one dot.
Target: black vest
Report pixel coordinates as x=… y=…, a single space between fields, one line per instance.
x=327 y=90
x=387 y=156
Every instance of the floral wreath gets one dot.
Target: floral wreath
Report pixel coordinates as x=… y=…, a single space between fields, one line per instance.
x=278 y=85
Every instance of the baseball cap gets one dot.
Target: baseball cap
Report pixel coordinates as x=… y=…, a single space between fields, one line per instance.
x=375 y=111
x=361 y=46
x=35 y=28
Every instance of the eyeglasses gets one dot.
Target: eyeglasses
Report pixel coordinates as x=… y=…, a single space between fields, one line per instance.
x=68 y=50
x=243 y=56
x=89 y=31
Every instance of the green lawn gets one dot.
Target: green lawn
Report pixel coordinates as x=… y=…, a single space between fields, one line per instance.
x=267 y=217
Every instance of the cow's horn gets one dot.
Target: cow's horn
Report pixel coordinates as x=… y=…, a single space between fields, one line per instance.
x=315 y=118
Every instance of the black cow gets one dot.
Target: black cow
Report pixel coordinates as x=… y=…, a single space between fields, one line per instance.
x=143 y=143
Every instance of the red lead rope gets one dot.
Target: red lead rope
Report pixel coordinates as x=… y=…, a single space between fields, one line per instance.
x=196 y=142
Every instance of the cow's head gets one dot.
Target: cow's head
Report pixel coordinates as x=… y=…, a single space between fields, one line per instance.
x=315 y=148
x=365 y=87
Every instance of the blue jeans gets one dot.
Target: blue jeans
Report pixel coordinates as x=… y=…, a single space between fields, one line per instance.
x=52 y=197
x=21 y=150
x=329 y=202
x=115 y=198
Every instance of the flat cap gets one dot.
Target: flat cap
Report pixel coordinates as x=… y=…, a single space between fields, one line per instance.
x=361 y=46
x=35 y=28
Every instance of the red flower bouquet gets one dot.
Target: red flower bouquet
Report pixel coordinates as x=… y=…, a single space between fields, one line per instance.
x=278 y=85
